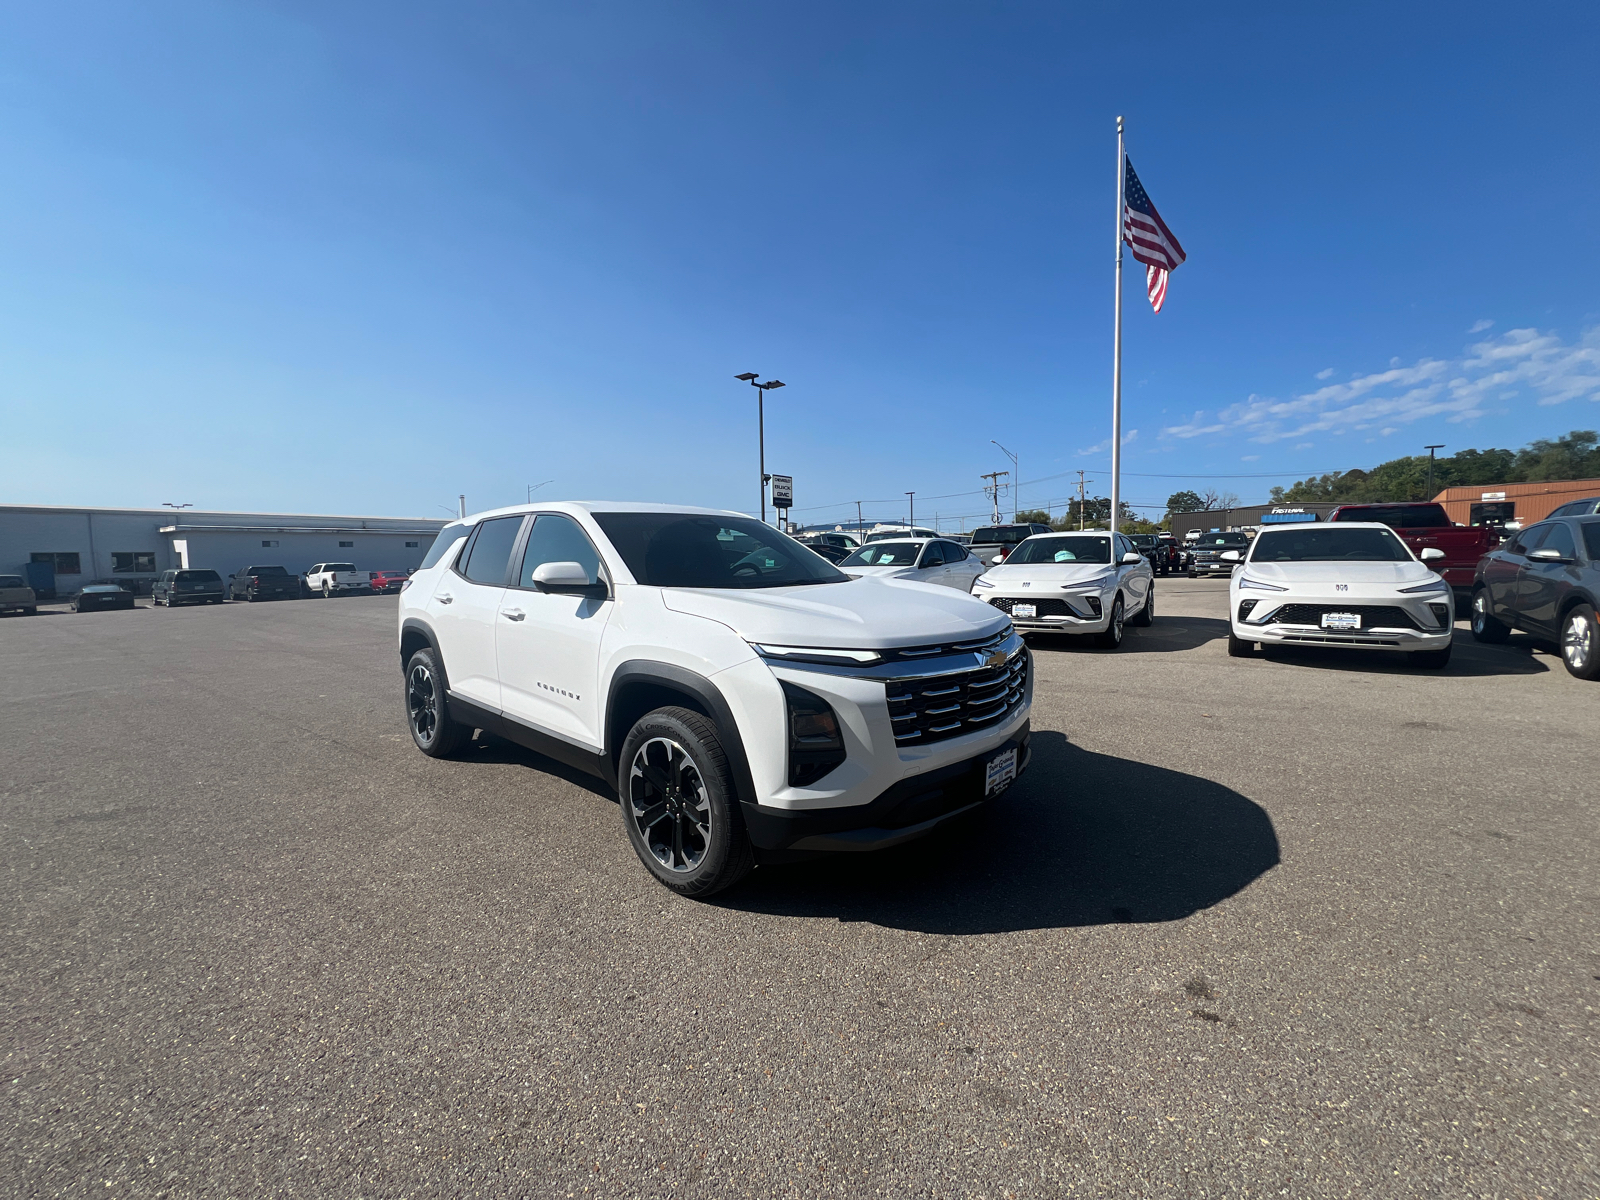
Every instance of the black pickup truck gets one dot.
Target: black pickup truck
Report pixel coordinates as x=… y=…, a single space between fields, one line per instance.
x=1161 y=553
x=263 y=583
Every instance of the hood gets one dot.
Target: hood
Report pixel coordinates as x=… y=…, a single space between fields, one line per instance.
x=1049 y=573
x=888 y=572
x=864 y=614
x=1397 y=573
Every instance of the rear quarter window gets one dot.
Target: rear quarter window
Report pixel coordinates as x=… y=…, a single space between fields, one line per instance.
x=1591 y=540
x=448 y=537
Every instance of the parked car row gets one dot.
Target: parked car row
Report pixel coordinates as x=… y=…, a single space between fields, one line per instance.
x=199 y=585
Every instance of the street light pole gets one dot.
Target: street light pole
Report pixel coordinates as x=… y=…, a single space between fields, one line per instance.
x=761 y=429
x=860 y=524
x=1016 y=492
x=912 y=526
x=1430 y=450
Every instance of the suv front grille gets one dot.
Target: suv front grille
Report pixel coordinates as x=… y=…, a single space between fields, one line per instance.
x=1373 y=616
x=938 y=707
x=1045 y=606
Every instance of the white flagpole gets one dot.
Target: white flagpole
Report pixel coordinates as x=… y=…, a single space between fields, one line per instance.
x=1116 y=369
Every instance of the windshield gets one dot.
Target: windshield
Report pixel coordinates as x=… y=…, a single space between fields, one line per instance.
x=199 y=577
x=11 y=581
x=1228 y=541
x=265 y=571
x=1142 y=540
x=693 y=551
x=1074 y=548
x=884 y=554
x=1000 y=535
x=340 y=567
x=1327 y=544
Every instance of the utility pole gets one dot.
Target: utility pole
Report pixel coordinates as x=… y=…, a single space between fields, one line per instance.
x=861 y=529
x=993 y=489
x=1016 y=492
x=912 y=524
x=1081 y=501
x=1430 y=450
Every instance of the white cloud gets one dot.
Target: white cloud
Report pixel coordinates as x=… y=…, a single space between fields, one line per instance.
x=1102 y=447
x=1480 y=326
x=1305 y=445
x=1325 y=373
x=1251 y=458
x=1385 y=401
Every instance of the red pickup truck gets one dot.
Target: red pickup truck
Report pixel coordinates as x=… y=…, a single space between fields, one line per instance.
x=1424 y=526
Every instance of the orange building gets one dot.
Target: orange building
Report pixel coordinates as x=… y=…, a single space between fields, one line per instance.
x=1498 y=503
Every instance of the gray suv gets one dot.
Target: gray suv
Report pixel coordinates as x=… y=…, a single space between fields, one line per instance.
x=1545 y=581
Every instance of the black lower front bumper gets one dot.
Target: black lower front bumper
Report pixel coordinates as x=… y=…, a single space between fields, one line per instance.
x=907 y=810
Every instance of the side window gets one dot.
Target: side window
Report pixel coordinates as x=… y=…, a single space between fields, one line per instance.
x=491 y=551
x=1560 y=539
x=932 y=555
x=556 y=538
x=953 y=553
x=1529 y=539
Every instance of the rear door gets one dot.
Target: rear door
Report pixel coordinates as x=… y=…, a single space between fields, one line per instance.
x=466 y=605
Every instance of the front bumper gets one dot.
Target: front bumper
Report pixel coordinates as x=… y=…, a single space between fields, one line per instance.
x=1081 y=620
x=906 y=810
x=1377 y=632
x=1212 y=568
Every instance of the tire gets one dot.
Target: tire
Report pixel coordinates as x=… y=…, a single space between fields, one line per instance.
x=1580 y=643
x=327 y=590
x=694 y=841
x=30 y=612
x=1486 y=627
x=1430 y=660
x=1112 y=637
x=1239 y=648
x=1146 y=616
x=427 y=708
x=1191 y=573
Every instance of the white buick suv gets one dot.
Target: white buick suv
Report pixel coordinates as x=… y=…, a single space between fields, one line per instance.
x=743 y=695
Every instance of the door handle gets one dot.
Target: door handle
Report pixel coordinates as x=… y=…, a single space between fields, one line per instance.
x=516 y=614
x=446 y=598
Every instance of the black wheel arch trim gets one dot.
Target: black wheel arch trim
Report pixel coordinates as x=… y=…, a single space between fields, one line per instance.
x=675 y=678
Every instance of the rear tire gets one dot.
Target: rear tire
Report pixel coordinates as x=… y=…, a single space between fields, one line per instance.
x=678 y=804
x=428 y=708
x=1486 y=627
x=1239 y=648
x=1430 y=660
x=1112 y=637
x=1580 y=643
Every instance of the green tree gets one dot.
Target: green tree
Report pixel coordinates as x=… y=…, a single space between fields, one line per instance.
x=1182 y=502
x=1033 y=515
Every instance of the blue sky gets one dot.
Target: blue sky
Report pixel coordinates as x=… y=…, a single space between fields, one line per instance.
x=364 y=257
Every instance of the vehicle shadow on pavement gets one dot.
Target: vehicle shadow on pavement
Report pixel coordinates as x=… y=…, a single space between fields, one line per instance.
x=1165 y=636
x=487 y=749
x=1467 y=658
x=1081 y=839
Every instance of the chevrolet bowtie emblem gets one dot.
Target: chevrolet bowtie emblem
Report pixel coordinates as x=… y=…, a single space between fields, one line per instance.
x=997 y=659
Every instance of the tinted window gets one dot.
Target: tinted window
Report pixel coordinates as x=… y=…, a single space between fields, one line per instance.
x=690 y=550
x=1591 y=539
x=9 y=581
x=558 y=539
x=199 y=576
x=954 y=553
x=448 y=536
x=491 y=551
x=932 y=555
x=1065 y=548
x=1401 y=516
x=340 y=567
x=274 y=571
x=883 y=554
x=1326 y=544
x=1560 y=540
x=1001 y=535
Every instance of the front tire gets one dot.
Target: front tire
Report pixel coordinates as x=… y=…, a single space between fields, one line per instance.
x=1238 y=647
x=1486 y=627
x=678 y=804
x=1146 y=616
x=1580 y=643
x=1112 y=637
x=428 y=708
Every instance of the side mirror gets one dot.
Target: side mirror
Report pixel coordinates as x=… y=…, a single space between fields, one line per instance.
x=1432 y=554
x=1132 y=556
x=566 y=579
x=1229 y=556
x=1547 y=556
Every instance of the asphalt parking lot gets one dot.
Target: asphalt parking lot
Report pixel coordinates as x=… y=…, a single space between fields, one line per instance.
x=1317 y=927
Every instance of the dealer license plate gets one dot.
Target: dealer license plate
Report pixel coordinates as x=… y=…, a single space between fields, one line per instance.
x=1024 y=610
x=1334 y=620
x=1000 y=771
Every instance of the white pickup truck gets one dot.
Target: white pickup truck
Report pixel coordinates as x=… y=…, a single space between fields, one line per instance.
x=333 y=578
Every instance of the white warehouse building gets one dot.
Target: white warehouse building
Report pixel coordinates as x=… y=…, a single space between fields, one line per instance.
x=131 y=546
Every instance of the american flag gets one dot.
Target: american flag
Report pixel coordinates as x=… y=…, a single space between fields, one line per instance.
x=1147 y=236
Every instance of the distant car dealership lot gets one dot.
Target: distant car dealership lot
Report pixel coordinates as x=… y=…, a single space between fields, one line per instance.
x=1322 y=920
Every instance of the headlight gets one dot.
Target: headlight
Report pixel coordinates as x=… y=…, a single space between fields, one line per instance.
x=1099 y=581
x=1246 y=582
x=1433 y=585
x=982 y=581
x=815 y=654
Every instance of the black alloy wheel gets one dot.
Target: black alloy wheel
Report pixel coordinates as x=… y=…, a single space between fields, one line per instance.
x=678 y=804
x=1485 y=626
x=427 y=708
x=1580 y=643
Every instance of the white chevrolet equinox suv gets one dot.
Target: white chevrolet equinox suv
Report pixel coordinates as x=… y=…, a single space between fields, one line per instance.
x=742 y=695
